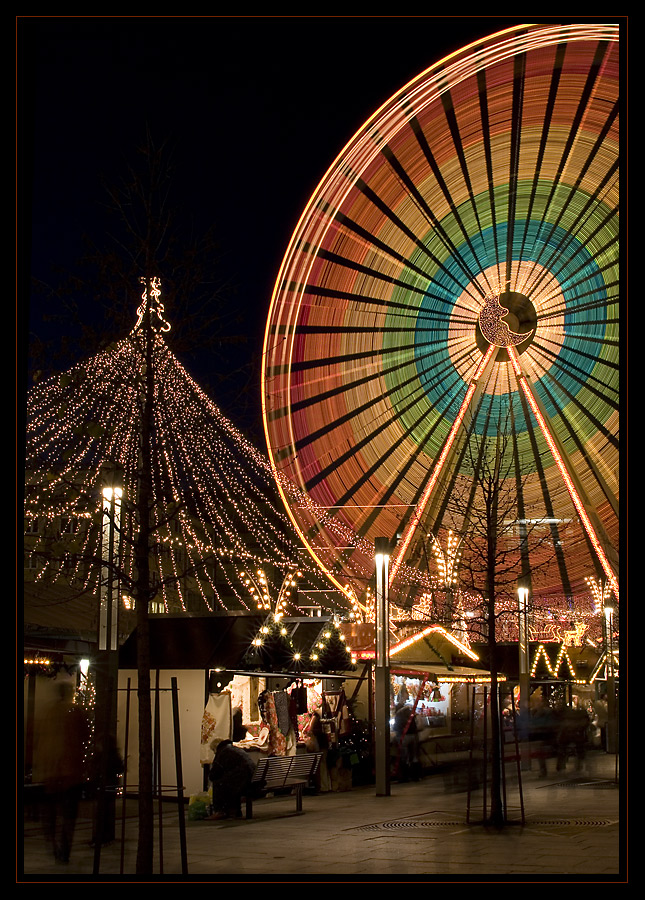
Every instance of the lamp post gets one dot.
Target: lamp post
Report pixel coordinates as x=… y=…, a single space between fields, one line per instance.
x=612 y=730
x=107 y=664
x=603 y=604
x=382 y=667
x=111 y=496
x=523 y=647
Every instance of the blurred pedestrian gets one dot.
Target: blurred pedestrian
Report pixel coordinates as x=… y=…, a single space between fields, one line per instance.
x=542 y=733
x=601 y=715
x=572 y=727
x=60 y=748
x=405 y=727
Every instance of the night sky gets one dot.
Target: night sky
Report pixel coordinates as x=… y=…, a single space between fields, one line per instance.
x=255 y=109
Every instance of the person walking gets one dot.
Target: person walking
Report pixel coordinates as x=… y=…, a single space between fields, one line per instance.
x=60 y=748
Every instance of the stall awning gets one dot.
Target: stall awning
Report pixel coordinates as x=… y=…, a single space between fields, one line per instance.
x=445 y=674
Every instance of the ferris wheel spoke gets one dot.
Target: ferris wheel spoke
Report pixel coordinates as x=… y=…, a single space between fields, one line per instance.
x=393 y=252
x=432 y=219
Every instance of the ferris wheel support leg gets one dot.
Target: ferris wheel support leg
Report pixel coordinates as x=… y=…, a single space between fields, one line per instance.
x=595 y=532
x=441 y=460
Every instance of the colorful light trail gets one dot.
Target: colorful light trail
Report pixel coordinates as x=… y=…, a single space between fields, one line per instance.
x=496 y=166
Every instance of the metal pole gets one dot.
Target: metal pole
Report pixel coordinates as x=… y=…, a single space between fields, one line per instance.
x=107 y=663
x=523 y=646
x=611 y=680
x=382 y=668
x=180 y=778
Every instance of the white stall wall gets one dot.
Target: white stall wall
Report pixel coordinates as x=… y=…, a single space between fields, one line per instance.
x=190 y=693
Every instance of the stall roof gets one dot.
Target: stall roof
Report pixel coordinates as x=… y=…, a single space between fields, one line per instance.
x=203 y=642
x=199 y=642
x=431 y=643
x=432 y=650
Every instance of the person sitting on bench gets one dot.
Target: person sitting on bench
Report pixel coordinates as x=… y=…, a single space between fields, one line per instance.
x=230 y=773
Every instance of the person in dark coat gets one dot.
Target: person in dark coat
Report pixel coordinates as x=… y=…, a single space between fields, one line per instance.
x=542 y=733
x=239 y=729
x=405 y=727
x=572 y=726
x=59 y=766
x=230 y=773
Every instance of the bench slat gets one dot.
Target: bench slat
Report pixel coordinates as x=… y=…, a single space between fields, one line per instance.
x=274 y=772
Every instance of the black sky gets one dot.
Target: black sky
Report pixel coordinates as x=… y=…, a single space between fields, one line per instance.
x=256 y=109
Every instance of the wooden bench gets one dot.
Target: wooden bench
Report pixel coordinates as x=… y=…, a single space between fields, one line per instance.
x=274 y=773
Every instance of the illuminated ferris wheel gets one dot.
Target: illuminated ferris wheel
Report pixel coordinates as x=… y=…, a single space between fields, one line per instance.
x=457 y=267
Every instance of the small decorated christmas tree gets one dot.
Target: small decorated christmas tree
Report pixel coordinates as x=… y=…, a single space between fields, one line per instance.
x=330 y=652
x=272 y=649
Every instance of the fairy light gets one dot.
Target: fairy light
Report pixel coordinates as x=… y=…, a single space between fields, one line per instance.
x=329 y=634
x=214 y=505
x=600 y=591
x=553 y=668
x=448 y=559
x=151 y=298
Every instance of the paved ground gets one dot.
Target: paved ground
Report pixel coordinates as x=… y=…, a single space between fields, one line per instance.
x=420 y=833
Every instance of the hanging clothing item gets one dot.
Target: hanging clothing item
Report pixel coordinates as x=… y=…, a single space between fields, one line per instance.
x=217 y=724
x=299 y=697
x=281 y=743
x=335 y=707
x=244 y=693
x=281 y=699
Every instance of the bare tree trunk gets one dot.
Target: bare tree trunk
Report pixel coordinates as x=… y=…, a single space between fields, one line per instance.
x=496 y=808
x=144 y=505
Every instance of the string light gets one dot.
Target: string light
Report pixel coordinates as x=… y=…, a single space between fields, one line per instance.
x=563 y=657
x=448 y=559
x=215 y=511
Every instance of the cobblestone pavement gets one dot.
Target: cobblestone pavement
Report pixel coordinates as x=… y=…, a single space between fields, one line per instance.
x=422 y=832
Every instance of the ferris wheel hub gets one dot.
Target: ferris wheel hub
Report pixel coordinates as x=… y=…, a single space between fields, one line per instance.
x=519 y=318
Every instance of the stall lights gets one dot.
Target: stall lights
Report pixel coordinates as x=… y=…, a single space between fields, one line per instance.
x=600 y=591
x=436 y=629
x=553 y=669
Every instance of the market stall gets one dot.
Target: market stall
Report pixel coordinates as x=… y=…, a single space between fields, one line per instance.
x=432 y=675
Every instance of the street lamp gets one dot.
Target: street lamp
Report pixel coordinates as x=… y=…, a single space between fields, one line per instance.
x=609 y=609
x=523 y=647
x=111 y=502
x=107 y=664
x=603 y=604
x=382 y=668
